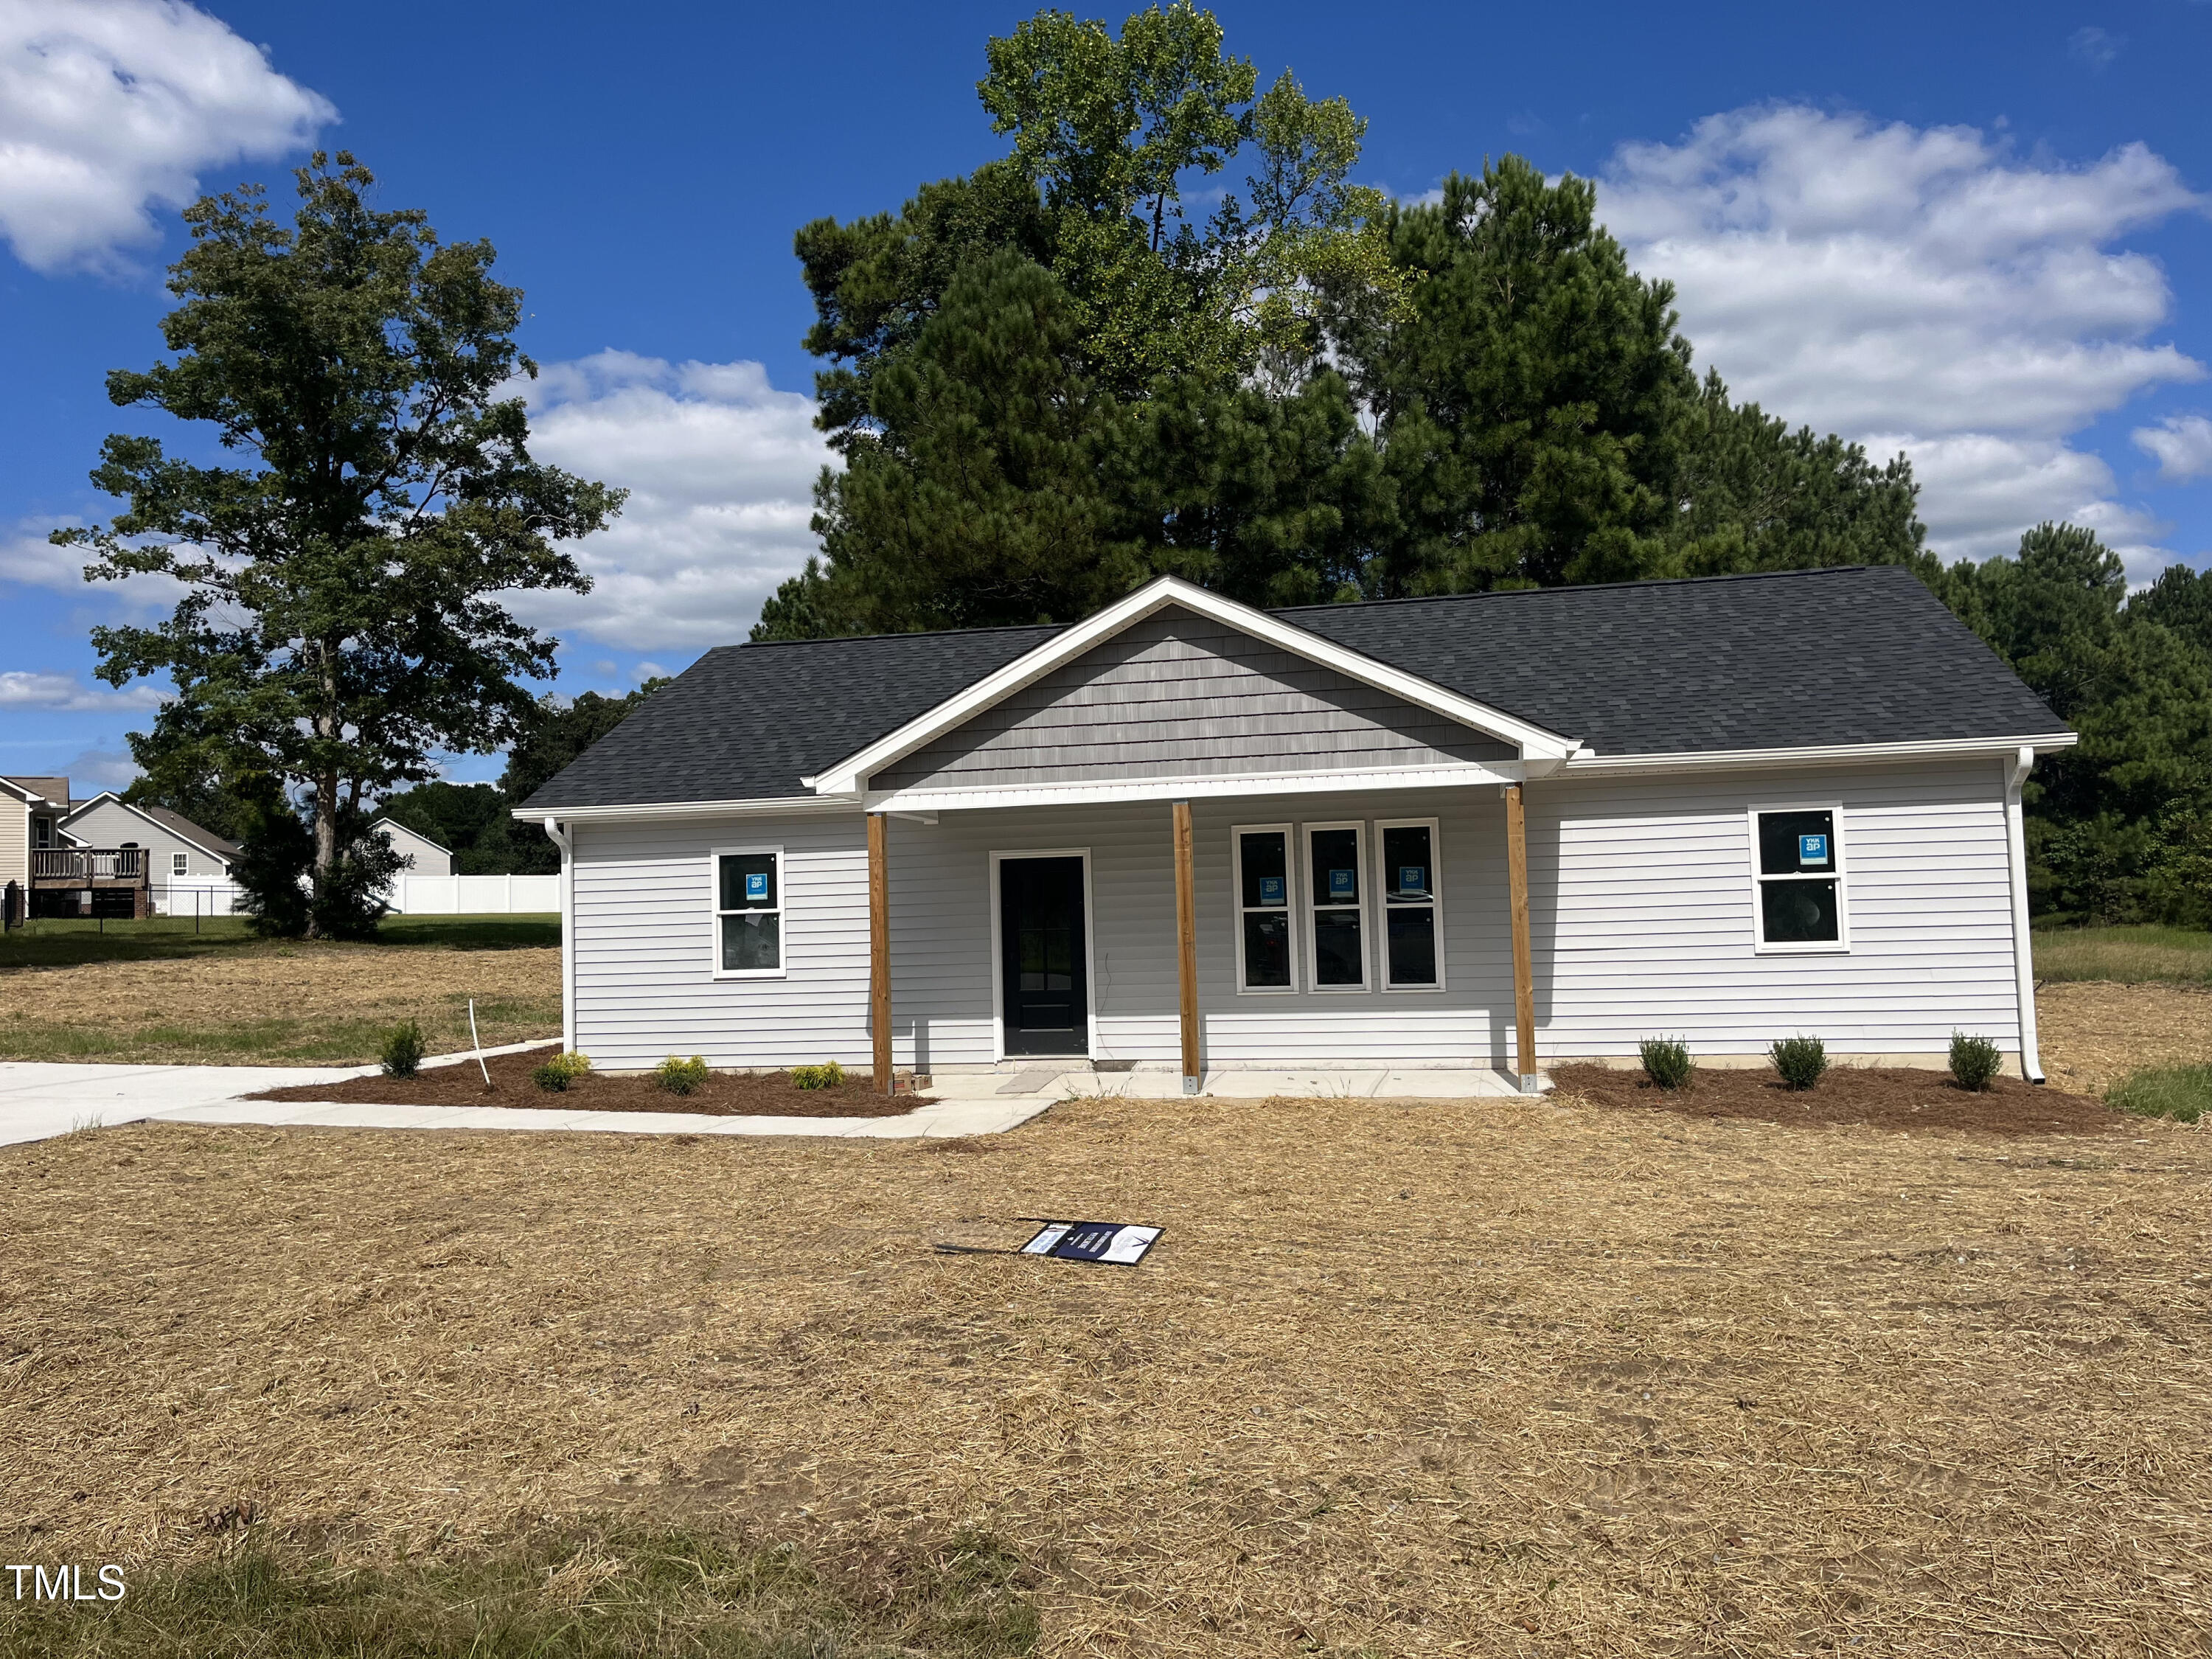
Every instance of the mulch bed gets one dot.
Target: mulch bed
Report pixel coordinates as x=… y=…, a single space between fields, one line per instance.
x=725 y=1094
x=1882 y=1098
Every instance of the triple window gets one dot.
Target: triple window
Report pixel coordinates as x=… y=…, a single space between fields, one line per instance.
x=1351 y=902
x=1797 y=878
x=748 y=912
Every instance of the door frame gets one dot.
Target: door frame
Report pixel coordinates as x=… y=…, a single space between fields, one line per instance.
x=998 y=959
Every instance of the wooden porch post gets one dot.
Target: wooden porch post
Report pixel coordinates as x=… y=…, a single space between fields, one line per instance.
x=880 y=949
x=1524 y=993
x=1187 y=948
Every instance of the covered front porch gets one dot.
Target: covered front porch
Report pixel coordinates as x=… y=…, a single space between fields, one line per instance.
x=1370 y=943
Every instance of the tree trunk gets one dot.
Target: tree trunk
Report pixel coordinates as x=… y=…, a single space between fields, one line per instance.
x=326 y=786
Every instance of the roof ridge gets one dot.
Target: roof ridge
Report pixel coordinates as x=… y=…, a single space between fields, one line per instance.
x=1594 y=587
x=910 y=633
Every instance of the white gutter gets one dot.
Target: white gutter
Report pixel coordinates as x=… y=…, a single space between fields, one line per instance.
x=1814 y=754
x=563 y=840
x=2023 y=949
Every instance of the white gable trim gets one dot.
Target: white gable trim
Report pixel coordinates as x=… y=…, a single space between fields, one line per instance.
x=168 y=829
x=849 y=776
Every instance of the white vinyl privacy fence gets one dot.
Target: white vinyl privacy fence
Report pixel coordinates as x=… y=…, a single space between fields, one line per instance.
x=410 y=896
x=476 y=895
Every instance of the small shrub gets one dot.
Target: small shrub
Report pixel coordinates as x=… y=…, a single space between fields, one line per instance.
x=2183 y=1093
x=826 y=1076
x=1667 y=1062
x=403 y=1050
x=681 y=1076
x=557 y=1073
x=1974 y=1062
x=1800 y=1059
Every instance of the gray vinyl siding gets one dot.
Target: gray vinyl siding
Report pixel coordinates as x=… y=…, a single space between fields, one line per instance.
x=423 y=856
x=113 y=824
x=1640 y=920
x=1640 y=914
x=1180 y=696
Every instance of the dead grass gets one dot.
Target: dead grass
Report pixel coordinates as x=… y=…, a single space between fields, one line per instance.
x=2093 y=1034
x=1492 y=1377
x=268 y=1004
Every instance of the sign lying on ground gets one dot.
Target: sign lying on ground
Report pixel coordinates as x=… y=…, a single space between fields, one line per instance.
x=1092 y=1241
x=1114 y=1242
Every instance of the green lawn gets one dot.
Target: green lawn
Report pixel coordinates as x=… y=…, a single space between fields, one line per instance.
x=577 y=1593
x=48 y=943
x=2128 y=956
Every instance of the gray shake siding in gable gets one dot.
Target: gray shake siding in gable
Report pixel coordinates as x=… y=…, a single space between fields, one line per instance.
x=1178 y=695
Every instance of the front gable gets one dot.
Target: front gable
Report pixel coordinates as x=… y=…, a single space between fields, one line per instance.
x=1176 y=694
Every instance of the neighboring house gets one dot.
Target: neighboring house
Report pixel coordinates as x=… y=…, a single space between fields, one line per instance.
x=30 y=808
x=179 y=850
x=59 y=873
x=420 y=855
x=1493 y=830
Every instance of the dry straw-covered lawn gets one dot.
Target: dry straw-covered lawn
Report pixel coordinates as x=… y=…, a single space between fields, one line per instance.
x=1485 y=1378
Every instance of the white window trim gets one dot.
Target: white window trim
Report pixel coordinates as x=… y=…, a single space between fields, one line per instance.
x=1309 y=907
x=715 y=913
x=180 y=864
x=999 y=964
x=1436 y=900
x=1239 y=910
x=1841 y=945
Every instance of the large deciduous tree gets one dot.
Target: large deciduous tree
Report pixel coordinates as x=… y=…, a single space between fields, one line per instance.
x=345 y=560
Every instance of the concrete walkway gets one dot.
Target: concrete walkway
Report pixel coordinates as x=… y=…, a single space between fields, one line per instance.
x=39 y=1100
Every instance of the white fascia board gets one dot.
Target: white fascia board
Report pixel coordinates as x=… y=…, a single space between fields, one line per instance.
x=847 y=776
x=1818 y=754
x=1199 y=788
x=104 y=795
x=778 y=805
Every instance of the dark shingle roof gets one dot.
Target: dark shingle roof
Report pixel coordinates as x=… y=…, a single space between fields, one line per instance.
x=1781 y=660
x=746 y=722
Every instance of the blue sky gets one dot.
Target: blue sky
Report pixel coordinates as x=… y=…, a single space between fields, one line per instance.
x=1975 y=233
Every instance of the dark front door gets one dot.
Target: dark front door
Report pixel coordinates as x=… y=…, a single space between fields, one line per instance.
x=1043 y=957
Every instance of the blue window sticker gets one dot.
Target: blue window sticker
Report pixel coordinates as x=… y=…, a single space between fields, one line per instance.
x=1812 y=849
x=1344 y=883
x=1270 y=890
x=757 y=887
x=1413 y=878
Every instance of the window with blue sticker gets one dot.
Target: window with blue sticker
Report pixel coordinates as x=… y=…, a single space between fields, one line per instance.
x=1337 y=917
x=1799 y=897
x=1413 y=939
x=749 y=912
x=1263 y=887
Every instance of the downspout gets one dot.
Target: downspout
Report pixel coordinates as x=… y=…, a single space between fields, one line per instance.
x=563 y=838
x=2023 y=959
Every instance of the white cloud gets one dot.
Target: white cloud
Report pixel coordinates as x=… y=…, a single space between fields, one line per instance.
x=721 y=467
x=27 y=557
x=109 y=106
x=96 y=769
x=2094 y=46
x=1924 y=289
x=22 y=689
x=2181 y=444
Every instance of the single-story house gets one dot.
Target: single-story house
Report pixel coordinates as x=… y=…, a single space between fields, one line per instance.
x=180 y=848
x=419 y=854
x=1499 y=831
